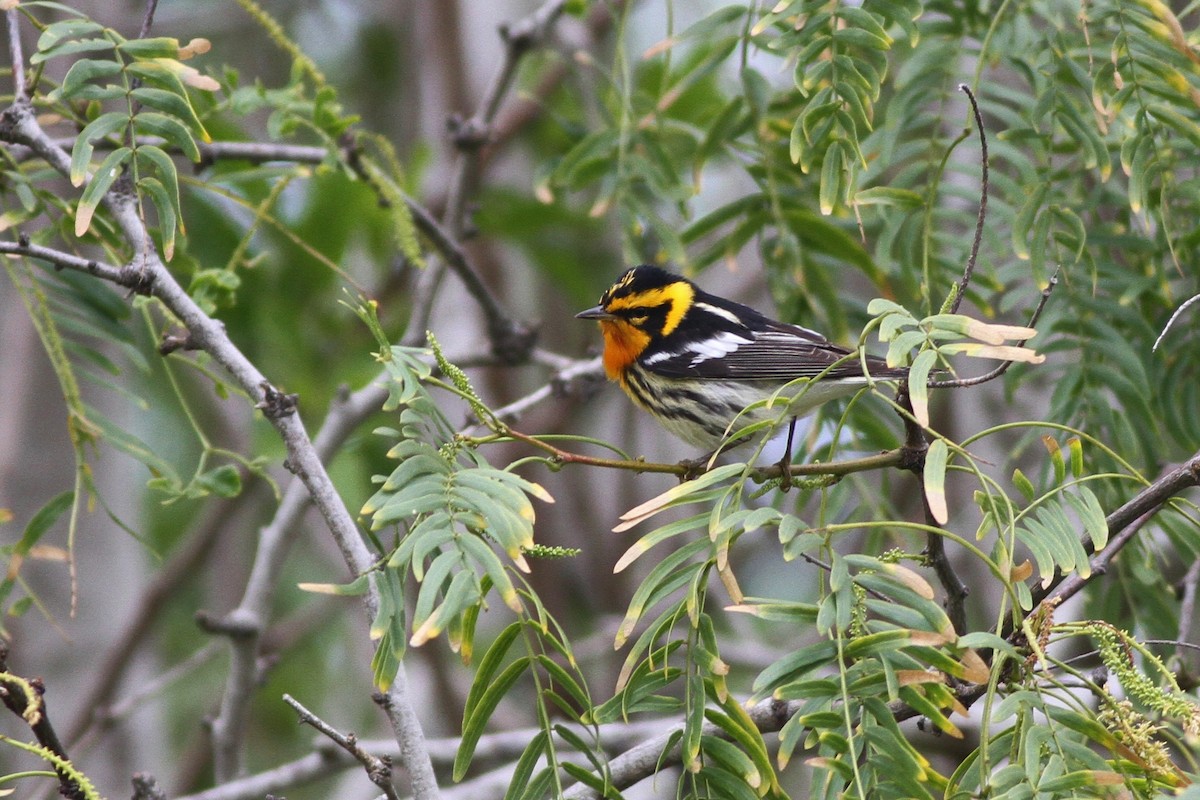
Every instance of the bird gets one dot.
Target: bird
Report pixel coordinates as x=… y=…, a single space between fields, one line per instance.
x=696 y=361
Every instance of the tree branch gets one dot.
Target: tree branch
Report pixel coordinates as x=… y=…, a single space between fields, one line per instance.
x=18 y=124
x=148 y=19
x=20 y=92
x=959 y=383
x=379 y=770
x=35 y=715
x=965 y=280
x=327 y=759
x=1187 y=615
x=182 y=564
x=511 y=340
x=470 y=135
x=645 y=759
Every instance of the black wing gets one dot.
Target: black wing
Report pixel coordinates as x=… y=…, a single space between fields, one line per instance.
x=778 y=352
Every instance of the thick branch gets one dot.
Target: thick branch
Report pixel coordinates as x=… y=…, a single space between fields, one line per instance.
x=327 y=759
x=20 y=93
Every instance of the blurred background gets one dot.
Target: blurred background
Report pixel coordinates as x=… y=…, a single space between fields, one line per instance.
x=127 y=669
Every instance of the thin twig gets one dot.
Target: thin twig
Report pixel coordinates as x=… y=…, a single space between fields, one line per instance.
x=511 y=340
x=890 y=458
x=959 y=383
x=1187 y=610
x=1171 y=321
x=62 y=260
x=379 y=770
x=573 y=370
x=816 y=562
x=471 y=134
x=148 y=19
x=128 y=704
x=965 y=281
x=38 y=719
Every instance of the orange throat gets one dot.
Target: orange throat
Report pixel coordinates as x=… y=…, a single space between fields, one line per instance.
x=623 y=343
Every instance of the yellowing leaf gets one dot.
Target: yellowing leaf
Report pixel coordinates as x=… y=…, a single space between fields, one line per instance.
x=931 y=638
x=1021 y=571
x=1004 y=352
x=913 y=677
x=911 y=579
x=975 y=669
x=195 y=47
x=935 y=480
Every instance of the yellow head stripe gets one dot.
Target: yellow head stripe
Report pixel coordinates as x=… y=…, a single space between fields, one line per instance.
x=678 y=294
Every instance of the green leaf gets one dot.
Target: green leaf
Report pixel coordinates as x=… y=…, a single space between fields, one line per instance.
x=167 y=220
x=169 y=128
x=657 y=536
x=794 y=666
x=661 y=579
x=585 y=776
x=150 y=47
x=918 y=385
x=41 y=522
x=109 y=170
x=356 y=587
x=172 y=104
x=85 y=70
x=481 y=712
x=889 y=196
x=489 y=665
x=71 y=49
x=1092 y=515
x=1023 y=484
x=733 y=761
x=483 y=555
x=462 y=593
x=518 y=784
x=224 y=481
x=834 y=183
x=158 y=73
x=81 y=153
x=564 y=680
x=73 y=28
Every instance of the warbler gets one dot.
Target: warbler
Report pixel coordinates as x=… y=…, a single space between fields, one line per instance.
x=696 y=361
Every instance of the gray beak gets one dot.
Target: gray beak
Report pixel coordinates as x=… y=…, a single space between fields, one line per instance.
x=594 y=313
